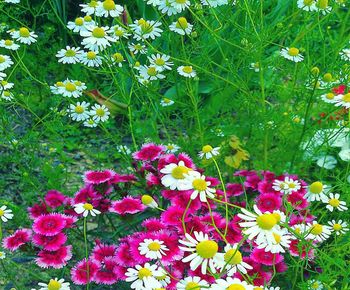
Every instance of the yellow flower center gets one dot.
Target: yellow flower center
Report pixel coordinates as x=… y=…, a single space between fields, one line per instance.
x=91 y=55
x=7 y=94
x=235 y=287
x=100 y=112
x=233 y=257
x=323 y=4
x=199 y=184
x=316 y=229
x=207 y=149
x=1 y=254
x=87 y=18
x=277 y=238
x=109 y=5
x=291 y=185
x=118 y=32
x=3 y=83
x=8 y=42
x=167 y=101
x=2 y=212
x=179 y=171
x=93 y=4
x=146 y=27
x=346 y=98
x=70 y=53
x=144 y=272
x=337 y=227
x=266 y=221
x=88 y=206
x=54 y=285
x=118 y=57
x=77 y=83
x=258 y=288
x=330 y=96
x=146 y=199
x=152 y=71
x=2 y=59
x=24 y=32
x=170 y=147
x=182 y=23
x=315 y=285
x=277 y=216
x=192 y=286
x=154 y=246
x=327 y=77
x=98 y=32
x=334 y=202
x=180 y=1
x=293 y=51
x=138 y=46
x=159 y=61
x=207 y=249
x=79 y=109
x=315 y=70
x=316 y=187
x=60 y=84
x=79 y=21
x=70 y=87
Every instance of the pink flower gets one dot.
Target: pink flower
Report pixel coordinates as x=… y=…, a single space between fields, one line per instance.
x=268 y=202
x=98 y=177
x=52 y=243
x=123 y=255
x=107 y=273
x=153 y=225
x=149 y=152
x=128 y=205
x=102 y=251
x=79 y=272
x=171 y=158
x=234 y=189
x=297 y=200
x=265 y=258
x=49 y=224
x=122 y=178
x=37 y=210
x=173 y=216
x=17 y=239
x=86 y=194
x=55 y=259
x=54 y=198
x=152 y=179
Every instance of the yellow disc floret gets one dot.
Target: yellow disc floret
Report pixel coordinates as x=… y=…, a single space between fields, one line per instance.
x=182 y=23
x=346 y=98
x=70 y=87
x=266 y=221
x=316 y=187
x=8 y=42
x=316 y=229
x=2 y=212
x=70 y=53
x=100 y=112
x=207 y=149
x=152 y=71
x=144 y=272
x=88 y=206
x=146 y=199
x=235 y=287
x=207 y=249
x=334 y=202
x=24 y=32
x=192 y=286
x=179 y=171
x=54 y=285
x=108 y=5
x=199 y=184
x=154 y=246
x=337 y=227
x=79 y=21
x=293 y=51
x=98 y=32
x=233 y=257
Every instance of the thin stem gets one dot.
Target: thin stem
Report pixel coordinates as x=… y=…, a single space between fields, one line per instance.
x=86 y=256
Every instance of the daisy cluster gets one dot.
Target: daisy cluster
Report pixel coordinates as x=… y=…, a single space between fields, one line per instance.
x=320 y=6
x=203 y=233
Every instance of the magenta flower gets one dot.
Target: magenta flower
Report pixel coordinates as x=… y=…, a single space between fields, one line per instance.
x=128 y=205
x=79 y=272
x=17 y=239
x=49 y=224
x=55 y=259
x=98 y=177
x=149 y=152
x=50 y=243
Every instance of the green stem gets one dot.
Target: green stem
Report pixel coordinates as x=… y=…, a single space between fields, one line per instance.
x=86 y=256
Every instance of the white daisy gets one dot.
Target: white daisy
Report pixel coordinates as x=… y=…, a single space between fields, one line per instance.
x=216 y=3
x=338 y=227
x=180 y=5
x=292 y=54
x=231 y=261
x=171 y=148
x=5 y=85
x=149 y=201
x=153 y=249
x=2 y=76
x=287 y=186
x=123 y=149
x=333 y=202
x=71 y=88
x=23 y=35
x=5 y=62
x=186 y=71
x=174 y=175
x=69 y=55
x=194 y=180
x=99 y=113
x=255 y=66
x=9 y=44
x=6 y=95
x=80 y=24
x=144 y=277
x=165 y=7
x=315 y=285
x=203 y=251
x=144 y=29
x=90 y=59
x=342 y=100
x=86 y=209
x=90 y=8
x=118 y=32
x=316 y=191
x=317 y=231
x=80 y=111
x=280 y=242
x=181 y=26
x=307 y=5
x=161 y=62
x=109 y=8
x=96 y=38
x=90 y=123
x=5 y=214
x=118 y=59
x=165 y=102
x=154 y=3
x=231 y=283
x=328 y=98
x=150 y=73
x=57 y=88
x=137 y=48
x=195 y=283
x=345 y=54
x=55 y=284
x=2 y=255
x=323 y=7
x=209 y=152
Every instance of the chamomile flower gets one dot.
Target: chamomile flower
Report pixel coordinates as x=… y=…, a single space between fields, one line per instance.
x=90 y=8
x=338 y=227
x=323 y=7
x=99 y=113
x=171 y=148
x=123 y=149
x=57 y=88
x=144 y=29
x=165 y=102
x=203 y=251
x=2 y=76
x=80 y=24
x=181 y=26
x=292 y=54
x=186 y=71
x=209 y=152
x=231 y=283
x=108 y=8
x=316 y=191
x=5 y=62
x=260 y=225
x=148 y=200
x=287 y=186
x=180 y=5
x=152 y=249
x=5 y=85
x=255 y=66
x=69 y=55
x=341 y=100
x=6 y=95
x=90 y=123
x=5 y=214
x=307 y=5
x=165 y=7
x=80 y=111
x=150 y=73
x=215 y=3
x=315 y=285
x=86 y=209
x=345 y=54
x=195 y=283
x=161 y=62
x=9 y=44
x=318 y=232
x=23 y=35
x=333 y=202
x=196 y=182
x=71 y=88
x=280 y=242
x=118 y=32
x=174 y=175
x=144 y=277
x=90 y=59
x=12 y=1
x=118 y=59
x=96 y=38
x=55 y=284
x=231 y=261
x=328 y=98
x=137 y=48
x=2 y=255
